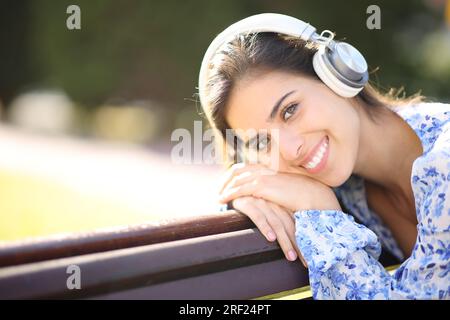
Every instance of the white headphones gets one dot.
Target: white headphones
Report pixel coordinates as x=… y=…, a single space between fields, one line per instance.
x=338 y=64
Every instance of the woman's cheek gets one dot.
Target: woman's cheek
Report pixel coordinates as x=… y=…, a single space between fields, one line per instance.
x=340 y=162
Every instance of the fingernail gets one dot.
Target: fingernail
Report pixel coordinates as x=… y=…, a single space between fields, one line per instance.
x=271 y=236
x=292 y=255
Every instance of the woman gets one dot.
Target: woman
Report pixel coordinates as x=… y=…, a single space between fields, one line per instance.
x=386 y=160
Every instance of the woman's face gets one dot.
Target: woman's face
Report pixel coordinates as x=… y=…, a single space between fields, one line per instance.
x=317 y=131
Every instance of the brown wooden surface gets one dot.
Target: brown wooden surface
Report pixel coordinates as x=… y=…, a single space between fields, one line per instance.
x=241 y=283
x=54 y=247
x=234 y=265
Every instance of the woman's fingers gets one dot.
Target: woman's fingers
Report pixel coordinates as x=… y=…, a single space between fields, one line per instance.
x=238 y=169
x=273 y=221
x=234 y=170
x=243 y=178
x=289 y=225
x=246 y=205
x=267 y=187
x=277 y=225
x=246 y=189
x=238 y=180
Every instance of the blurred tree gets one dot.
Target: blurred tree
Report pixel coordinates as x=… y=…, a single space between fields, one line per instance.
x=152 y=49
x=15 y=68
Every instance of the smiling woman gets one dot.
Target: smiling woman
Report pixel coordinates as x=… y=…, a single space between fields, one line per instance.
x=343 y=146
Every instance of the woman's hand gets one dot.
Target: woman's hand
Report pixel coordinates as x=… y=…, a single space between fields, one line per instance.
x=292 y=191
x=274 y=222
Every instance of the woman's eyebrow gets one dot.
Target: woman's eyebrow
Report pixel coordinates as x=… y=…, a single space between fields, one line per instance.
x=277 y=106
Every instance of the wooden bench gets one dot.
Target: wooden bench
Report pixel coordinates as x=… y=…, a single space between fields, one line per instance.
x=218 y=256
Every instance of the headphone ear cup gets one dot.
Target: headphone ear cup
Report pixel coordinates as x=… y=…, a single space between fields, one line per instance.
x=322 y=66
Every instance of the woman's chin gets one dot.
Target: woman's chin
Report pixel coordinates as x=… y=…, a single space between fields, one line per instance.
x=338 y=177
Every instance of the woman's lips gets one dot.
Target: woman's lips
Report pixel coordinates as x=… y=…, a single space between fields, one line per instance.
x=316 y=159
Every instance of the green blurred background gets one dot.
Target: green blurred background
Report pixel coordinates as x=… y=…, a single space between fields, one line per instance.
x=130 y=75
x=151 y=50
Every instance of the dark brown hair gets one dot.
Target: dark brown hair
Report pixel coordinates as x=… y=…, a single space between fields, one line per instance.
x=250 y=55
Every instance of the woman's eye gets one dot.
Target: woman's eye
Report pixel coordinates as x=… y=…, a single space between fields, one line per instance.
x=262 y=145
x=263 y=142
x=289 y=111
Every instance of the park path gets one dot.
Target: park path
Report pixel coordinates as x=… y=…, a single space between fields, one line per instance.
x=132 y=183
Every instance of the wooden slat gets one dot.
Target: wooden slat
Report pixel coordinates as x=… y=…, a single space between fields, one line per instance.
x=54 y=247
x=235 y=284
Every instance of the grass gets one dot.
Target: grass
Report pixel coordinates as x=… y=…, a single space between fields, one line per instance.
x=32 y=206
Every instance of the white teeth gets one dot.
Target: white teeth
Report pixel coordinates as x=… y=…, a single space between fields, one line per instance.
x=317 y=157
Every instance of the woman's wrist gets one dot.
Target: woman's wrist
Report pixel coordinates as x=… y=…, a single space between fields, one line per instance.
x=320 y=201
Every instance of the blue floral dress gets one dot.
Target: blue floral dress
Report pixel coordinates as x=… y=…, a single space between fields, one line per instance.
x=342 y=255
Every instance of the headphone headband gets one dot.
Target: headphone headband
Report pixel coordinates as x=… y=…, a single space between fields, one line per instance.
x=348 y=83
x=264 y=22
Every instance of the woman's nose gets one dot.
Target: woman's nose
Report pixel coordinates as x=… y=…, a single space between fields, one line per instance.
x=290 y=145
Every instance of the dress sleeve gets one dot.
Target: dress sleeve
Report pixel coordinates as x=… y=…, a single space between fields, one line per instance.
x=342 y=255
